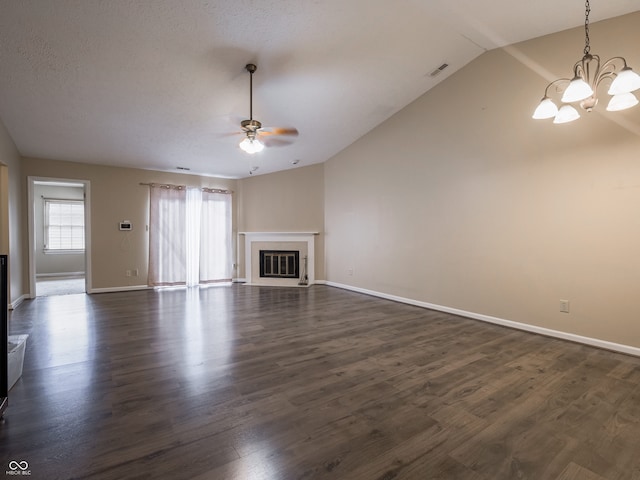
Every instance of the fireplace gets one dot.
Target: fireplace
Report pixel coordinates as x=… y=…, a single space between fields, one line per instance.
x=279 y=258
x=279 y=263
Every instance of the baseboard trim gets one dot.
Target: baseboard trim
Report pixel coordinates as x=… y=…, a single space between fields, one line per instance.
x=60 y=274
x=119 y=289
x=16 y=303
x=594 y=342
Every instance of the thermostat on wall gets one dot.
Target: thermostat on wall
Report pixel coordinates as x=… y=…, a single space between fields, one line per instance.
x=125 y=225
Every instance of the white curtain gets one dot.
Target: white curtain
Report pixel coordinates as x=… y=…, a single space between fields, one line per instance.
x=189 y=236
x=167 y=239
x=215 y=237
x=194 y=201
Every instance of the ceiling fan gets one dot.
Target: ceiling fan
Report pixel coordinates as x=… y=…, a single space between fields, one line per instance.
x=257 y=137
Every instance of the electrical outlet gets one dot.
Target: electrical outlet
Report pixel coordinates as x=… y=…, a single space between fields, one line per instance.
x=135 y=272
x=128 y=273
x=350 y=271
x=564 y=306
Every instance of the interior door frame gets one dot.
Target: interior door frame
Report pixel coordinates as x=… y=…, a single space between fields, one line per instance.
x=31 y=217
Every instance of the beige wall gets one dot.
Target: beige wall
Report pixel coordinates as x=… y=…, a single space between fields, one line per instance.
x=462 y=200
x=116 y=195
x=287 y=201
x=11 y=233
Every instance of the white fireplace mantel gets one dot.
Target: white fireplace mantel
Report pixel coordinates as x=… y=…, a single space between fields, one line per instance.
x=251 y=237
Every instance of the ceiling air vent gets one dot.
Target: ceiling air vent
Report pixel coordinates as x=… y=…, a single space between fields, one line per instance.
x=439 y=70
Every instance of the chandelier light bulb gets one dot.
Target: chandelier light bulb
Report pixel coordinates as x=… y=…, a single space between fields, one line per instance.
x=622 y=101
x=626 y=81
x=566 y=114
x=546 y=109
x=577 y=90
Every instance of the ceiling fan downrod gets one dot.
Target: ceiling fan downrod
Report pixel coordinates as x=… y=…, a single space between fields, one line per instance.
x=251 y=124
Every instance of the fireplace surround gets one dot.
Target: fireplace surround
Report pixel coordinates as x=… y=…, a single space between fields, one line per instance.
x=301 y=242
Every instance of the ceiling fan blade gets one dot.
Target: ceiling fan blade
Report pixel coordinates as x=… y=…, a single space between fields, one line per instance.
x=231 y=134
x=269 y=131
x=273 y=141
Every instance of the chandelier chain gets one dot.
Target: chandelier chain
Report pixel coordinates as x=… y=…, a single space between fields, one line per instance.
x=587 y=11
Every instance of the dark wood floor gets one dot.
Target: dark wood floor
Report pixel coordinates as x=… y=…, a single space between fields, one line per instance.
x=255 y=383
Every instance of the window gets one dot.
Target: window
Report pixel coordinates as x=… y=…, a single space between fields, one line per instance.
x=63 y=225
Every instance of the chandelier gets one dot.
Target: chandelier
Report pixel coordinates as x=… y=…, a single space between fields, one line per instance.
x=588 y=74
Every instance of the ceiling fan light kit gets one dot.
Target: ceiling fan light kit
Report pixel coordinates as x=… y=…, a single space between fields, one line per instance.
x=588 y=74
x=253 y=128
x=251 y=145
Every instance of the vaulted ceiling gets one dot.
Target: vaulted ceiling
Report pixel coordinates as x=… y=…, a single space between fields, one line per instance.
x=161 y=84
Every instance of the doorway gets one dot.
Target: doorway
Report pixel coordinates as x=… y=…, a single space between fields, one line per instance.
x=59 y=241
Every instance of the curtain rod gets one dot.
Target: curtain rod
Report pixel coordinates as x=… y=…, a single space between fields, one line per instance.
x=182 y=187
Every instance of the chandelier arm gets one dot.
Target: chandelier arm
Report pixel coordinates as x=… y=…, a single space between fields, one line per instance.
x=582 y=69
x=558 y=88
x=613 y=65
x=579 y=70
x=609 y=70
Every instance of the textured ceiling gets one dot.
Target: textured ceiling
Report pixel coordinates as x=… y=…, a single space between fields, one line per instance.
x=159 y=84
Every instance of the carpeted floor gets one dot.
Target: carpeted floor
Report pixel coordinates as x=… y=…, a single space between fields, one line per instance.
x=59 y=286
